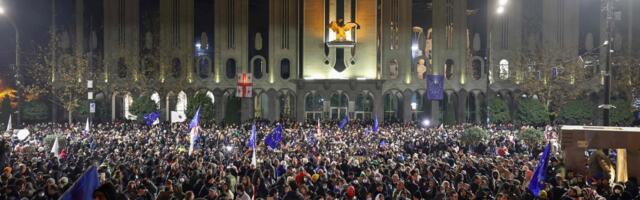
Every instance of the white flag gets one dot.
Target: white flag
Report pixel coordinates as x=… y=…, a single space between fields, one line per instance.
x=254 y=161
x=56 y=148
x=9 y=124
x=86 y=127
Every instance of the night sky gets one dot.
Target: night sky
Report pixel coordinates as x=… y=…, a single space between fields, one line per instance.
x=33 y=18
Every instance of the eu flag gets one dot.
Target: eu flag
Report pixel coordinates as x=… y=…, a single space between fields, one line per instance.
x=537 y=180
x=344 y=122
x=195 y=119
x=151 y=117
x=273 y=139
x=84 y=187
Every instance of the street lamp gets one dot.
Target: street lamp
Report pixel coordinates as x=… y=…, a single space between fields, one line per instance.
x=17 y=65
x=499 y=11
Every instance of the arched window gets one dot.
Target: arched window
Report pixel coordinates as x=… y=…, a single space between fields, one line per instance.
x=150 y=68
x=339 y=106
x=176 y=68
x=392 y=105
x=393 y=69
x=364 y=106
x=285 y=69
x=258 y=64
x=230 y=70
x=203 y=67
x=449 y=68
x=313 y=104
x=476 y=65
x=504 y=69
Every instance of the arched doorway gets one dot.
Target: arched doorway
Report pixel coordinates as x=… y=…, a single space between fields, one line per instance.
x=313 y=104
x=287 y=105
x=364 y=106
x=392 y=106
x=232 y=107
x=339 y=106
x=261 y=105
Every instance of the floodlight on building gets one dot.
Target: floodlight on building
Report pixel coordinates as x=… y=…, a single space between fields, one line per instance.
x=500 y=10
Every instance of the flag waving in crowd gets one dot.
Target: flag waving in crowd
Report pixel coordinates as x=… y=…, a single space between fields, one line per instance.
x=273 y=139
x=84 y=187
x=86 y=127
x=9 y=124
x=537 y=181
x=252 y=144
x=152 y=118
x=375 y=125
x=193 y=126
x=344 y=122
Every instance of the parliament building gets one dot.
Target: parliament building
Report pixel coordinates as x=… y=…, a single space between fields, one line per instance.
x=324 y=59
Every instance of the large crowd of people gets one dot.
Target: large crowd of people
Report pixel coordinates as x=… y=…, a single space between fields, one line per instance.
x=313 y=161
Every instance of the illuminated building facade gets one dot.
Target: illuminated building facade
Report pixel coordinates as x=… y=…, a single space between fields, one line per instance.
x=173 y=49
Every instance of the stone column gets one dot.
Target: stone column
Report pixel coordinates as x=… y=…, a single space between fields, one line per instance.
x=246 y=109
x=218 y=106
x=406 y=106
x=477 y=105
x=300 y=105
x=378 y=106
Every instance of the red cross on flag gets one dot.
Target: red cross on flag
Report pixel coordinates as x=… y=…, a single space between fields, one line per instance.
x=245 y=85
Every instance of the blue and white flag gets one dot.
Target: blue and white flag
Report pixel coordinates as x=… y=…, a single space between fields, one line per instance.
x=252 y=138
x=84 y=187
x=152 y=118
x=311 y=139
x=252 y=144
x=537 y=180
x=194 y=127
x=344 y=122
x=193 y=138
x=273 y=139
x=375 y=124
x=195 y=120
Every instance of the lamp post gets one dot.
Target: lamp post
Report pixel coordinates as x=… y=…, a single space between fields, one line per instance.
x=606 y=106
x=499 y=12
x=17 y=67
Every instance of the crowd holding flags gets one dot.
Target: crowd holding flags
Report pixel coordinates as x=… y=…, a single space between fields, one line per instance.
x=194 y=126
x=537 y=180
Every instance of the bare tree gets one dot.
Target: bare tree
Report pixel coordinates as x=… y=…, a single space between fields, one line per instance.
x=60 y=78
x=626 y=75
x=553 y=79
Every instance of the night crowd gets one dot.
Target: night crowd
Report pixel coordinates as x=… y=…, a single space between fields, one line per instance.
x=399 y=161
